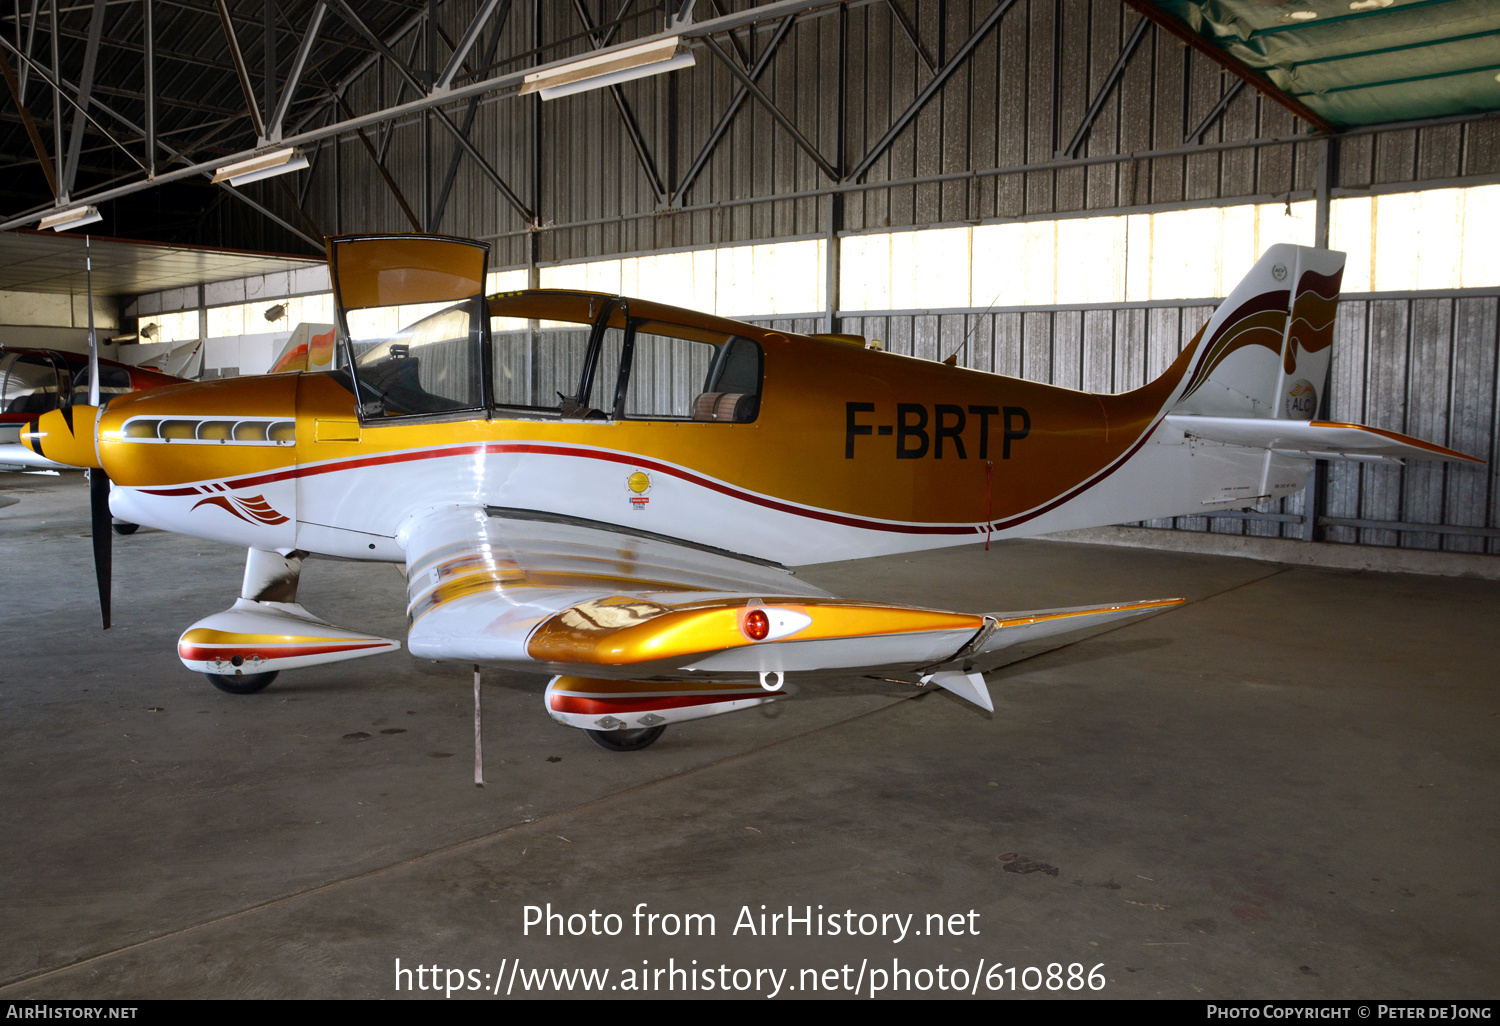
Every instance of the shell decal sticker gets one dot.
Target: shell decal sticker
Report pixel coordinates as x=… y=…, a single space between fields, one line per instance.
x=638 y=484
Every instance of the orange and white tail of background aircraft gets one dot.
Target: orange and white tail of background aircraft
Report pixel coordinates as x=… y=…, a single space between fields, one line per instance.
x=610 y=490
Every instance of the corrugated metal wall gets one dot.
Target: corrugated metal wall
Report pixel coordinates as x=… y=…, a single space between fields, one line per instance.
x=1424 y=366
x=1421 y=363
x=1013 y=104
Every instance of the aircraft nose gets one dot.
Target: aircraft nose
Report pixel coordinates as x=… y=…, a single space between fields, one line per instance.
x=64 y=436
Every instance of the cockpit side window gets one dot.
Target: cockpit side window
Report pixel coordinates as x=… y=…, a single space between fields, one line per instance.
x=582 y=356
x=548 y=353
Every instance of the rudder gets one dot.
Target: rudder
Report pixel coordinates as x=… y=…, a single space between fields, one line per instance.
x=1265 y=351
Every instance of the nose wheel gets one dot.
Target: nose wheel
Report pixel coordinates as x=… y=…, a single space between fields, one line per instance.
x=625 y=740
x=244 y=683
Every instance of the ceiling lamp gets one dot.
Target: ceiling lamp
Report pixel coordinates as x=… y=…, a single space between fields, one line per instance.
x=65 y=219
x=610 y=68
x=267 y=165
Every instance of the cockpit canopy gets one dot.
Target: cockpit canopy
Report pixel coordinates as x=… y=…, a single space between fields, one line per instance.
x=422 y=340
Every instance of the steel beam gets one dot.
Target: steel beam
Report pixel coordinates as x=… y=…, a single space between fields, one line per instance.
x=294 y=77
x=30 y=41
x=761 y=63
x=411 y=57
x=241 y=70
x=1108 y=86
x=507 y=84
x=85 y=86
x=1218 y=109
x=931 y=89
x=739 y=47
x=31 y=130
x=1225 y=60
x=911 y=33
x=149 y=69
x=411 y=216
x=465 y=44
x=291 y=197
x=268 y=55
x=359 y=69
x=470 y=111
x=266 y=212
x=430 y=102
x=627 y=116
x=81 y=112
x=781 y=119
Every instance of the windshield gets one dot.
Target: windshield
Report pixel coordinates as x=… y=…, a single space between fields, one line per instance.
x=113 y=381
x=429 y=365
x=412 y=311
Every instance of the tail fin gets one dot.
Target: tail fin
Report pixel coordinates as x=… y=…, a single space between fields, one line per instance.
x=1264 y=353
x=309 y=349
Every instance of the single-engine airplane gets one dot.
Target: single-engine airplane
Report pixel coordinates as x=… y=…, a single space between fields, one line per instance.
x=37 y=381
x=610 y=490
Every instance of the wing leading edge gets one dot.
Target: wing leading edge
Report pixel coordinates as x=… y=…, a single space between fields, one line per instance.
x=597 y=603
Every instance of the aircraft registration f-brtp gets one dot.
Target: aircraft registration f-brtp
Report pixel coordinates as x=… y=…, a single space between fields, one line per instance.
x=610 y=490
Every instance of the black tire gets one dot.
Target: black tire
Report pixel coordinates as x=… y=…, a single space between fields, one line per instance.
x=625 y=740
x=241 y=683
x=124 y=527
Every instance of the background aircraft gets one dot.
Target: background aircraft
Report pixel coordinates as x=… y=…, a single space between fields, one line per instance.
x=36 y=381
x=610 y=490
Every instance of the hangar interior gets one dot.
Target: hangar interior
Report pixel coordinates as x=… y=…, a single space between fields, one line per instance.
x=1057 y=190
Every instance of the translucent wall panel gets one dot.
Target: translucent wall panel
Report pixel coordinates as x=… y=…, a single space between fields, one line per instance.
x=1180 y=254
x=505 y=281
x=1434 y=239
x=737 y=281
x=174 y=327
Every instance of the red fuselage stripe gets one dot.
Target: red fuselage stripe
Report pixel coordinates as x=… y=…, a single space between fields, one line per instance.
x=498 y=448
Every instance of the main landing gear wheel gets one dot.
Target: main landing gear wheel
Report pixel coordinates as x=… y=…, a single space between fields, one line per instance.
x=124 y=527
x=625 y=740
x=246 y=683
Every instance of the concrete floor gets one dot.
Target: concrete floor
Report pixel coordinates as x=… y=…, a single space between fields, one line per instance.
x=1286 y=788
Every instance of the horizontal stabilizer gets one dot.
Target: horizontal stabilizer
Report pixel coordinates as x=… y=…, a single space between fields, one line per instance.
x=1320 y=440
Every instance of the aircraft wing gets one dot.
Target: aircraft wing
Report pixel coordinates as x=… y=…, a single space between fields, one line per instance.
x=534 y=591
x=1316 y=439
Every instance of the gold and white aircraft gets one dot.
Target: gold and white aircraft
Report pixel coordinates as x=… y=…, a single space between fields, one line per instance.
x=610 y=490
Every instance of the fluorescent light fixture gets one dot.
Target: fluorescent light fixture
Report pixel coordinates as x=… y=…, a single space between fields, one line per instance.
x=266 y=165
x=610 y=68
x=65 y=219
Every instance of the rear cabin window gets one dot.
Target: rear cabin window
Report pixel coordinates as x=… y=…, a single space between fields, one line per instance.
x=681 y=373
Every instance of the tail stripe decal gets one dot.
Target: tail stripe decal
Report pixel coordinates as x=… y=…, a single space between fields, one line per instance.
x=1261 y=321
